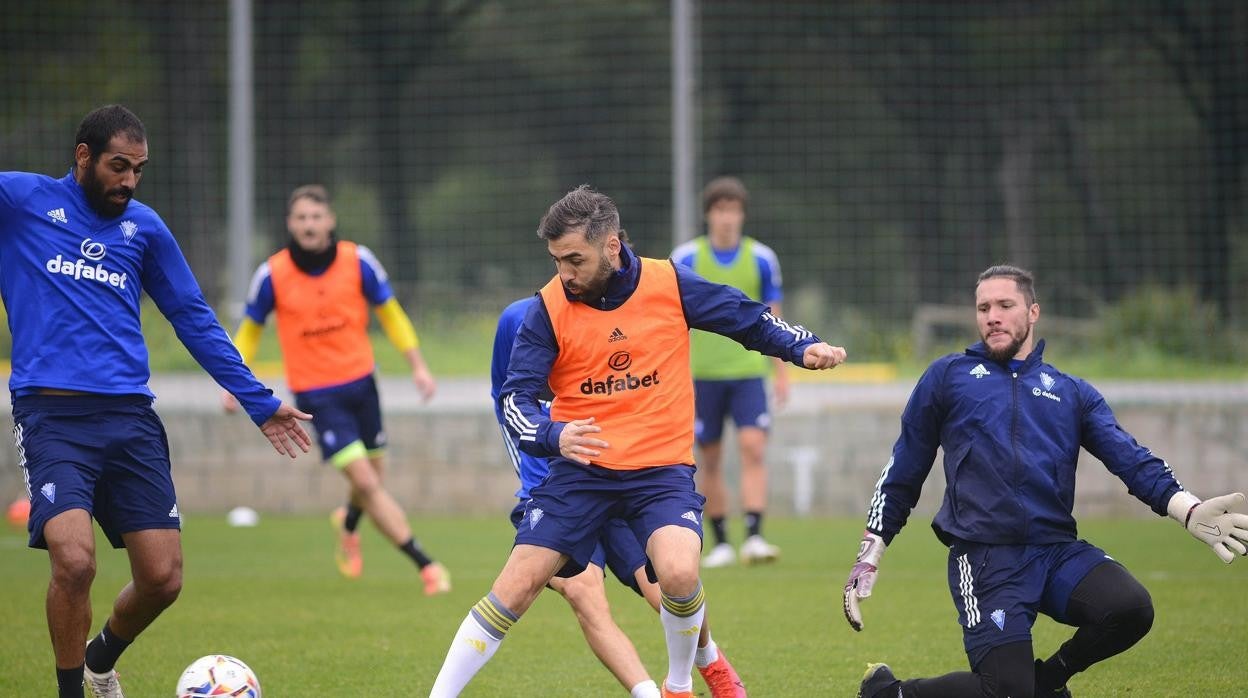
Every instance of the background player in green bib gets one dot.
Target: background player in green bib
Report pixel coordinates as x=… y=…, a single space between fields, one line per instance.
x=728 y=379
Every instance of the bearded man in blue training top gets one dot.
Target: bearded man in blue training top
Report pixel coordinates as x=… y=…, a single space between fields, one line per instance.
x=1011 y=426
x=75 y=255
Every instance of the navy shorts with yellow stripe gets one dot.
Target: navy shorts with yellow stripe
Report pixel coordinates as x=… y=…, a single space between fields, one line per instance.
x=344 y=414
x=575 y=504
x=107 y=455
x=999 y=589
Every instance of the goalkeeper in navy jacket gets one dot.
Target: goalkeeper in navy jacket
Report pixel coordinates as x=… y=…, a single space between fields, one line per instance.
x=1011 y=427
x=76 y=254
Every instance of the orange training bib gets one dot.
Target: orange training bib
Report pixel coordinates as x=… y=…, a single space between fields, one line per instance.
x=628 y=368
x=322 y=321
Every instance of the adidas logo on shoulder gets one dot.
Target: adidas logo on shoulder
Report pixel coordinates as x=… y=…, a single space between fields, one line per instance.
x=58 y=215
x=690 y=516
x=617 y=335
x=979 y=371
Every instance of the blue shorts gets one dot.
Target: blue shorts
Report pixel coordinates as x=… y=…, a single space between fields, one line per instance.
x=744 y=399
x=618 y=549
x=571 y=509
x=998 y=589
x=106 y=454
x=345 y=414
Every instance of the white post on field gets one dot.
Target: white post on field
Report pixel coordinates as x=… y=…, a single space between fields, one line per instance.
x=684 y=120
x=241 y=204
x=804 y=459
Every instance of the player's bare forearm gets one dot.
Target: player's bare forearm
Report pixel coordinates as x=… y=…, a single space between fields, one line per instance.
x=421 y=376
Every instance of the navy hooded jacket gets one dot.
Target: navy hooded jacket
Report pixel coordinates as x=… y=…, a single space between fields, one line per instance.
x=1011 y=441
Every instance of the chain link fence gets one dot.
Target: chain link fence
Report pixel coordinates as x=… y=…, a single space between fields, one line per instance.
x=892 y=148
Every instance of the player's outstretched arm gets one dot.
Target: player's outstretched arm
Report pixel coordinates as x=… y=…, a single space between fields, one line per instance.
x=399 y=330
x=822 y=355
x=285 y=432
x=862 y=577
x=1213 y=522
x=247 y=341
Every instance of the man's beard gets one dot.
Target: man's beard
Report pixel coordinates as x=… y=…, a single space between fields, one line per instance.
x=598 y=285
x=1010 y=350
x=98 y=197
x=311 y=262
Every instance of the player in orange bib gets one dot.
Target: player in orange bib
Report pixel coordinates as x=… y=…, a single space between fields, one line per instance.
x=321 y=289
x=611 y=338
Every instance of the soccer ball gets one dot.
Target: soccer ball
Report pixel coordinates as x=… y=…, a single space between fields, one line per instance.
x=218 y=675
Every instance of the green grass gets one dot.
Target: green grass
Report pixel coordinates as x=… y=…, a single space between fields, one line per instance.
x=452 y=347
x=458 y=344
x=271 y=596
x=463 y=350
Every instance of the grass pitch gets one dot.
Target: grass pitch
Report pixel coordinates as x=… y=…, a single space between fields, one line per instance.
x=271 y=596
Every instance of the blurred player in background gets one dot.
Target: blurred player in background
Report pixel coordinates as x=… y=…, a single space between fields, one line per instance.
x=75 y=255
x=618 y=549
x=610 y=338
x=1011 y=427
x=729 y=380
x=321 y=289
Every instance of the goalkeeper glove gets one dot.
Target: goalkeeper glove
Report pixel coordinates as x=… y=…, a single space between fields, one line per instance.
x=862 y=577
x=1212 y=522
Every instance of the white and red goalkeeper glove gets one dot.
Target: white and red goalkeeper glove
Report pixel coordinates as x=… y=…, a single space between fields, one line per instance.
x=1212 y=522
x=862 y=577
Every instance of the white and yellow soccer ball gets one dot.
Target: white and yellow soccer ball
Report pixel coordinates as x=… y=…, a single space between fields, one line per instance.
x=218 y=675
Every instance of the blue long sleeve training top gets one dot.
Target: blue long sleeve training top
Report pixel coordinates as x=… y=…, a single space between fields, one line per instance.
x=530 y=469
x=72 y=282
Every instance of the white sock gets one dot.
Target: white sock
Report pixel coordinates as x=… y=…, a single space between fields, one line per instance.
x=682 y=636
x=645 y=689
x=706 y=656
x=470 y=650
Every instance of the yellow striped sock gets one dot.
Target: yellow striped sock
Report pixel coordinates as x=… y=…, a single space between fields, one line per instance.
x=685 y=606
x=493 y=616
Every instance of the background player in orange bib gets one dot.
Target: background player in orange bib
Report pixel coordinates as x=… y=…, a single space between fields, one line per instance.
x=321 y=289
